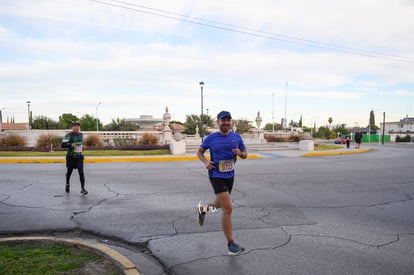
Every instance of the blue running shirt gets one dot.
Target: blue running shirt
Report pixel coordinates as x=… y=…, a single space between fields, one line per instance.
x=221 y=154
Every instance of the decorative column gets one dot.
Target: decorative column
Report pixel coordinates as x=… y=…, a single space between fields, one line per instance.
x=258 y=120
x=258 y=135
x=166 y=132
x=197 y=135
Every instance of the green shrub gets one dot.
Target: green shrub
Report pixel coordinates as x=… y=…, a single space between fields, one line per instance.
x=149 y=139
x=44 y=141
x=10 y=140
x=93 y=141
x=407 y=138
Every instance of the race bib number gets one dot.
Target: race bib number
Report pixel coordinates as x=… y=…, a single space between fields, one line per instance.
x=226 y=165
x=78 y=148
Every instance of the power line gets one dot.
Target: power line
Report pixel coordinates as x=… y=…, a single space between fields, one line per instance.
x=252 y=32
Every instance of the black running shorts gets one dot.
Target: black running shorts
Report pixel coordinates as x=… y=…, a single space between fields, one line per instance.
x=222 y=185
x=74 y=162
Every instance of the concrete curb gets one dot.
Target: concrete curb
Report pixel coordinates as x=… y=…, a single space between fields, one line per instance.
x=333 y=153
x=121 y=261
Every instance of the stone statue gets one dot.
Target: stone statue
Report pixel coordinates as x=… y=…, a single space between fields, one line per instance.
x=196 y=133
x=166 y=117
x=166 y=132
x=258 y=135
x=258 y=120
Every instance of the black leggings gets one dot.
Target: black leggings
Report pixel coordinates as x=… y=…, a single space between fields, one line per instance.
x=75 y=163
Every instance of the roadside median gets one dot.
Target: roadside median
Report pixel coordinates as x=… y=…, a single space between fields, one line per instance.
x=333 y=153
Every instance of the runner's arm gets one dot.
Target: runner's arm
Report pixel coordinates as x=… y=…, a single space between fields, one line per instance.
x=241 y=153
x=66 y=142
x=200 y=154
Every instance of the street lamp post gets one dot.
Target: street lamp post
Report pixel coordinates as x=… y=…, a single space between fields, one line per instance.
x=273 y=113
x=1 y=118
x=96 y=116
x=383 y=128
x=201 y=117
x=28 y=114
x=285 y=119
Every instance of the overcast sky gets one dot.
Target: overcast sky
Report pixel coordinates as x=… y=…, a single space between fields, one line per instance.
x=315 y=58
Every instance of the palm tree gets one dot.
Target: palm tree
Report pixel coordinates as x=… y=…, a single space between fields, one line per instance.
x=330 y=122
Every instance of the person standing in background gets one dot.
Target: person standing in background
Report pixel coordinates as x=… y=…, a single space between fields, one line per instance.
x=358 y=138
x=73 y=141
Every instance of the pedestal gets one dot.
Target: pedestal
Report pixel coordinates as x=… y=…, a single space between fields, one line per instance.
x=306 y=145
x=177 y=147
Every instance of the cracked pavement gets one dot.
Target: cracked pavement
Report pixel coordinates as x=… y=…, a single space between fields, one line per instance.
x=345 y=214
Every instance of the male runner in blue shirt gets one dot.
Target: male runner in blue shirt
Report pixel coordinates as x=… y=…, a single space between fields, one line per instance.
x=224 y=147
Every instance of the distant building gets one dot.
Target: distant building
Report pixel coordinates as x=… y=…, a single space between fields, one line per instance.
x=400 y=128
x=404 y=126
x=146 y=122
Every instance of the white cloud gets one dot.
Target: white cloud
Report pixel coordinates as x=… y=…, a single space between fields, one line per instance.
x=72 y=54
x=403 y=93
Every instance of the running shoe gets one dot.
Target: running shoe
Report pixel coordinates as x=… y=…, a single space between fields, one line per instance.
x=67 y=188
x=84 y=192
x=235 y=249
x=200 y=214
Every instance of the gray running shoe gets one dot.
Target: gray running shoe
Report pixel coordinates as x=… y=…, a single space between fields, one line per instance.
x=200 y=214
x=235 y=249
x=84 y=192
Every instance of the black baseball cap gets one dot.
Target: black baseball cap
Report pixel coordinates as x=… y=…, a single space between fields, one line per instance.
x=75 y=123
x=223 y=114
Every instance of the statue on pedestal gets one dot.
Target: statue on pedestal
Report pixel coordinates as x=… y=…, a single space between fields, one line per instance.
x=167 y=118
x=197 y=133
x=258 y=135
x=166 y=132
x=258 y=120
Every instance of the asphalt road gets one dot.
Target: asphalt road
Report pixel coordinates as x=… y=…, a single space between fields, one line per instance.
x=344 y=214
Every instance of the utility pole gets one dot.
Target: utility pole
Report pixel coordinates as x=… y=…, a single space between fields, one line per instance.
x=96 y=116
x=28 y=114
x=201 y=117
x=285 y=119
x=273 y=113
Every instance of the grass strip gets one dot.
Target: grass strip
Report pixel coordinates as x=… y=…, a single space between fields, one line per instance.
x=48 y=258
x=321 y=147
